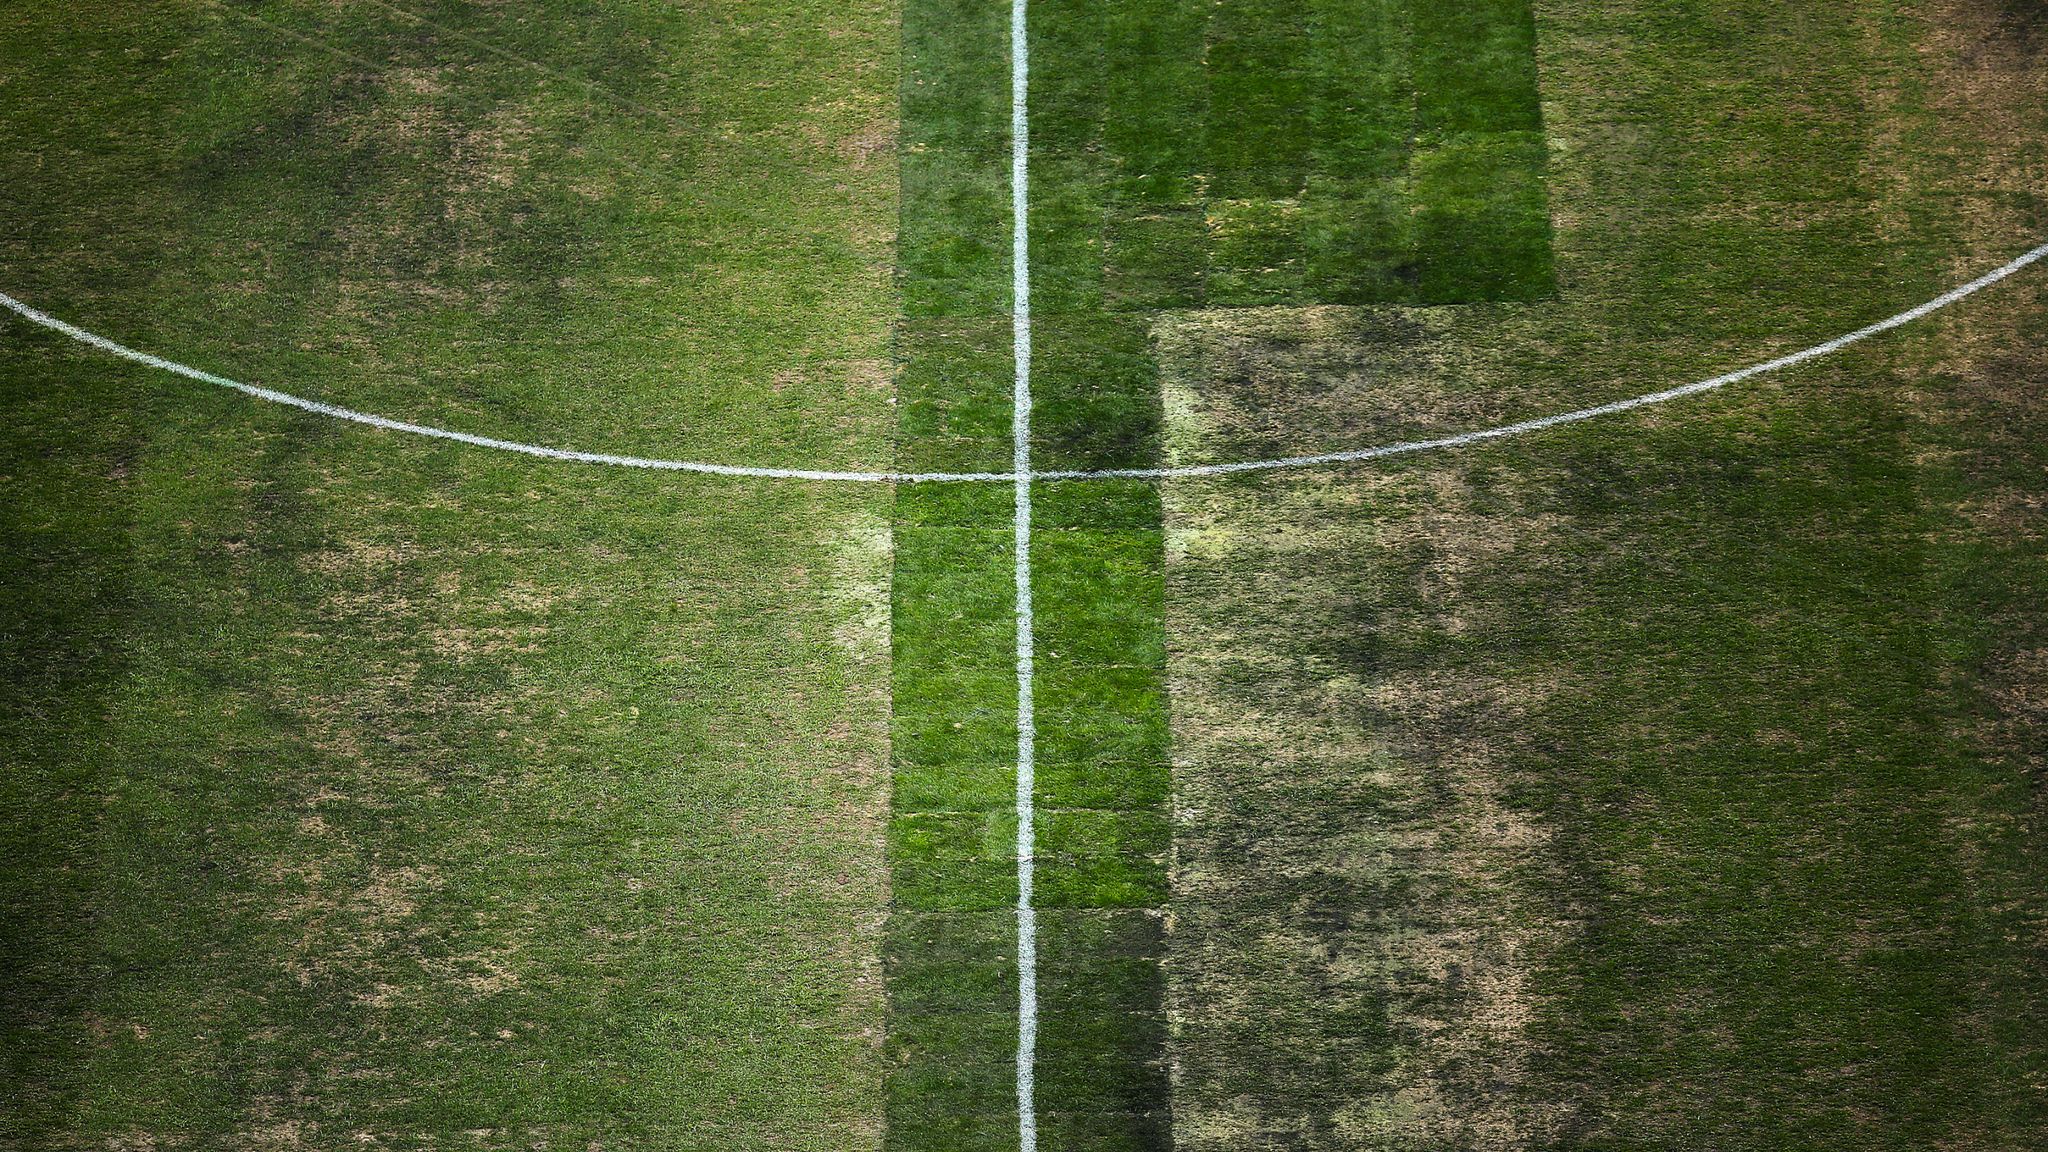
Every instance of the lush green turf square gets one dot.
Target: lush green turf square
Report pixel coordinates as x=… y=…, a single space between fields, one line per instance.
x=1066 y=234
x=956 y=1061
x=960 y=717
x=953 y=262
x=1098 y=597
x=923 y=1126
x=1482 y=224
x=953 y=861
x=1094 y=399
x=1258 y=140
x=952 y=1065
x=1131 y=505
x=1107 y=1131
x=1102 y=1063
x=1101 y=783
x=1362 y=242
x=955 y=505
x=1256 y=253
x=964 y=785
x=953 y=385
x=1154 y=255
x=1274 y=154
x=1475 y=68
x=1103 y=715
x=1154 y=100
x=950 y=962
x=1102 y=859
x=1101 y=961
x=953 y=91
x=1361 y=113
x=954 y=600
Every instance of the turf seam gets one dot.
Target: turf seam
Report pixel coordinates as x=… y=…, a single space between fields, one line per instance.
x=1022 y=473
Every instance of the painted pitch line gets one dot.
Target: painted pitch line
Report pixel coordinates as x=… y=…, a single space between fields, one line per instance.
x=1320 y=459
x=1645 y=400
x=339 y=413
x=1020 y=465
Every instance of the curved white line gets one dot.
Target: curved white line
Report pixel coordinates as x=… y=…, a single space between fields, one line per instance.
x=1800 y=357
x=1576 y=415
x=374 y=421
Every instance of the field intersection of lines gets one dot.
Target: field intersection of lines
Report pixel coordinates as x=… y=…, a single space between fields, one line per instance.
x=1416 y=575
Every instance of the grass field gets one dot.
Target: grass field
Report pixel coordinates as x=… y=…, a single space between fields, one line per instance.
x=365 y=789
x=1661 y=782
x=1671 y=780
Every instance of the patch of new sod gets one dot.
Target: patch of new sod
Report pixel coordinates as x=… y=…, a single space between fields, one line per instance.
x=950 y=957
x=367 y=790
x=1253 y=153
x=1669 y=779
x=1101 y=835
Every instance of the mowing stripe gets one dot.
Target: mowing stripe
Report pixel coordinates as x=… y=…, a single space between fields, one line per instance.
x=1021 y=471
x=1020 y=464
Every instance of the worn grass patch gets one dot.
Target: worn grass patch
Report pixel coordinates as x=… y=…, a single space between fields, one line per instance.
x=1360 y=911
x=1657 y=780
x=368 y=792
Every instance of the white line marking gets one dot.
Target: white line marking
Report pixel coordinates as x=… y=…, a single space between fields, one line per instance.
x=1573 y=417
x=1325 y=458
x=1020 y=465
x=339 y=413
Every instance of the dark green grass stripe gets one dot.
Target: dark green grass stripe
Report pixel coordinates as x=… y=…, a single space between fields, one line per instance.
x=1255 y=153
x=950 y=942
x=1475 y=67
x=953 y=239
x=1482 y=227
x=1259 y=83
x=1097 y=584
x=1155 y=101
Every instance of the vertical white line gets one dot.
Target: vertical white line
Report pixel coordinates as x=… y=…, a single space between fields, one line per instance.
x=1020 y=446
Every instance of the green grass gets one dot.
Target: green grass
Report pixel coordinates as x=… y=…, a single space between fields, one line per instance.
x=1661 y=781
x=1102 y=832
x=364 y=789
x=1249 y=152
x=1665 y=781
x=950 y=945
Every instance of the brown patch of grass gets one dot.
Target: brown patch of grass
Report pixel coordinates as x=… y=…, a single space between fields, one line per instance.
x=1358 y=917
x=1277 y=381
x=1987 y=413
x=860 y=586
x=1346 y=707
x=873 y=375
x=493 y=153
x=876 y=138
x=478 y=973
